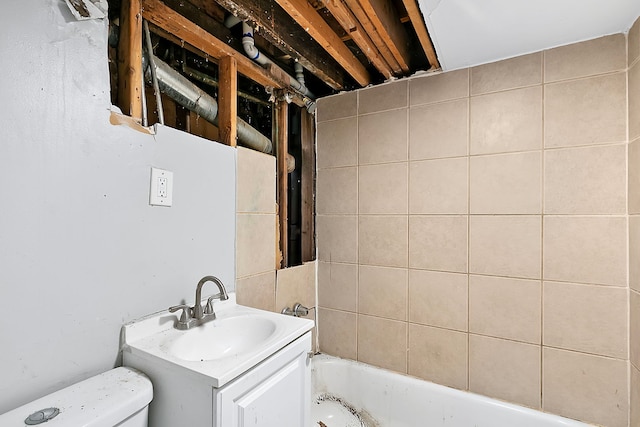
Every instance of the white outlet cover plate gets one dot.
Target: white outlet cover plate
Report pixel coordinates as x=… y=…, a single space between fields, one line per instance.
x=155 y=196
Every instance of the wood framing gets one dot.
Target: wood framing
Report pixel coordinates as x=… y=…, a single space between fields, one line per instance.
x=281 y=140
x=308 y=180
x=307 y=17
x=421 y=30
x=228 y=101
x=130 y=59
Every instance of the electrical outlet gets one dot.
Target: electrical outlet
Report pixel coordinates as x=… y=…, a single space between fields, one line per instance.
x=161 y=191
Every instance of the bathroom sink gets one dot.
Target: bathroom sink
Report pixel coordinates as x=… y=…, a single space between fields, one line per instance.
x=219 y=350
x=220 y=338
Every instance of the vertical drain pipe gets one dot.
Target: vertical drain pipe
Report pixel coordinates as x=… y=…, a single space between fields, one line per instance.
x=154 y=78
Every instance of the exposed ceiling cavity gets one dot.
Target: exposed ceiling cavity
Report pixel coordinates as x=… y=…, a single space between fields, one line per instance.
x=473 y=32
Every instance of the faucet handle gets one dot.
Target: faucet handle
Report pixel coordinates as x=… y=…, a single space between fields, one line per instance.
x=208 y=309
x=186 y=312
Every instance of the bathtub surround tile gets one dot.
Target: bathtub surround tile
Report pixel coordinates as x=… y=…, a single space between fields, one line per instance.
x=383 y=189
x=586 y=387
x=382 y=292
x=588 y=58
x=438 y=355
x=634 y=43
x=634 y=327
x=337 y=286
x=506 y=184
x=296 y=285
x=506 y=370
x=337 y=238
x=255 y=251
x=439 y=87
x=382 y=343
x=439 y=130
x=383 y=241
x=505 y=308
x=586 y=318
x=256 y=186
x=382 y=137
x=337 y=191
x=634 y=177
x=438 y=243
x=438 y=186
x=588 y=111
x=634 y=101
x=337 y=333
x=257 y=291
x=505 y=246
x=438 y=299
x=588 y=180
x=635 y=397
x=337 y=106
x=634 y=252
x=586 y=250
x=512 y=73
x=337 y=143
x=383 y=97
x=506 y=121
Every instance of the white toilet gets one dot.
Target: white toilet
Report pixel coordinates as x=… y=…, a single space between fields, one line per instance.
x=119 y=397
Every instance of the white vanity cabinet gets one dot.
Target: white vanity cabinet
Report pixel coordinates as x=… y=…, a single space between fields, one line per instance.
x=274 y=393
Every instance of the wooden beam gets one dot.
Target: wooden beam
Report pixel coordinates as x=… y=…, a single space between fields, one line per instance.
x=171 y=21
x=307 y=17
x=308 y=175
x=130 y=59
x=421 y=30
x=370 y=29
x=228 y=101
x=387 y=22
x=281 y=139
x=345 y=18
x=277 y=27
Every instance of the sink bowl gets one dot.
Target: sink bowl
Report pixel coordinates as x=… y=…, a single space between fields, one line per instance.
x=222 y=338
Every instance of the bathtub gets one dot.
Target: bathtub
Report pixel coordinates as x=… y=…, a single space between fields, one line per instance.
x=352 y=394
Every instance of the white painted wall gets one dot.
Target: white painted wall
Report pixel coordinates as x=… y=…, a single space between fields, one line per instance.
x=81 y=251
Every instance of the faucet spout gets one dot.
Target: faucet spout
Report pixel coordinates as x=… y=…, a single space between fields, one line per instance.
x=198 y=311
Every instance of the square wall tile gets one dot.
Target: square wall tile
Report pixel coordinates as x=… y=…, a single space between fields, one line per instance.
x=382 y=343
x=337 y=191
x=382 y=137
x=438 y=355
x=586 y=250
x=337 y=106
x=438 y=299
x=383 y=189
x=439 y=87
x=525 y=70
x=591 y=319
x=338 y=286
x=634 y=43
x=588 y=388
x=634 y=101
x=505 y=246
x=587 y=180
x=505 y=308
x=255 y=244
x=256 y=185
x=439 y=186
x=337 y=333
x=296 y=285
x=337 y=143
x=383 y=241
x=588 y=58
x=507 y=370
x=257 y=291
x=506 y=184
x=635 y=397
x=506 y=121
x=634 y=327
x=337 y=238
x=588 y=111
x=382 y=292
x=438 y=243
x=634 y=252
x=383 y=97
x=634 y=177
x=439 y=130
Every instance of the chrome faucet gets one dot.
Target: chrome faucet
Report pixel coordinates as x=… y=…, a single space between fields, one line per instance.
x=197 y=315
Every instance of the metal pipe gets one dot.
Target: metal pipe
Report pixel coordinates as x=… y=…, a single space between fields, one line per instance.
x=145 y=120
x=154 y=78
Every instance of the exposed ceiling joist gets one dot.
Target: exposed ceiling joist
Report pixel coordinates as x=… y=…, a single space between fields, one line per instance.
x=307 y=17
x=417 y=21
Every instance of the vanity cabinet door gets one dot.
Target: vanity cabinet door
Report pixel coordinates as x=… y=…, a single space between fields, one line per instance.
x=274 y=394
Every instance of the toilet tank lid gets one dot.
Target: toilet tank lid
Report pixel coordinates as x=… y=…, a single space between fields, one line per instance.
x=100 y=401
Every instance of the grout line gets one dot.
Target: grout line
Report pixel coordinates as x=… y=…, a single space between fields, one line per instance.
x=542 y=208
x=469 y=233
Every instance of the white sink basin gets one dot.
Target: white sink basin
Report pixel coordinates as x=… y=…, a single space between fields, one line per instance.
x=219 y=350
x=222 y=338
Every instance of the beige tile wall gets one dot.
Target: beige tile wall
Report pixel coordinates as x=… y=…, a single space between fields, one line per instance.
x=478 y=234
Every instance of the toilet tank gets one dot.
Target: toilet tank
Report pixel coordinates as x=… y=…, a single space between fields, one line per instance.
x=119 y=397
